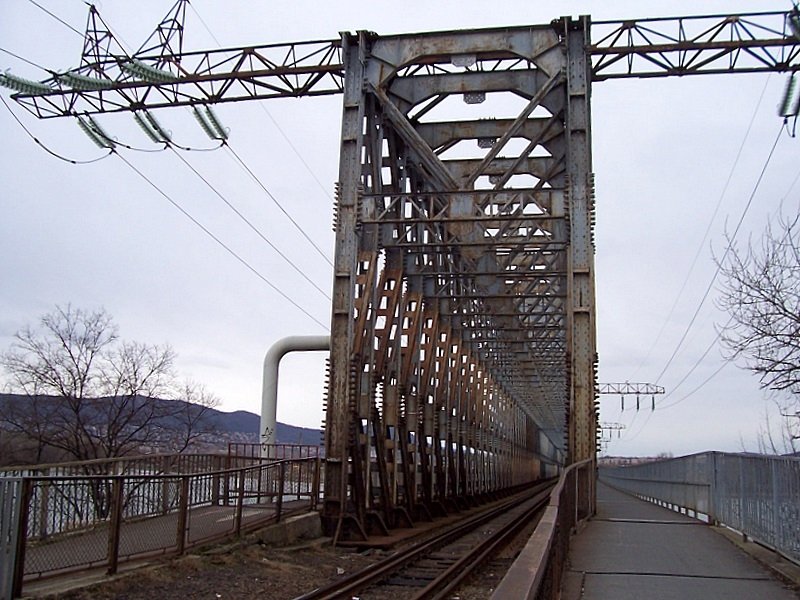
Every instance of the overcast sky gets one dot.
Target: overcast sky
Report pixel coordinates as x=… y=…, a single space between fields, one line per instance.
x=98 y=235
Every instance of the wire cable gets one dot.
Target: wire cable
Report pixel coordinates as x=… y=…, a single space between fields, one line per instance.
x=25 y=60
x=724 y=364
x=227 y=248
x=278 y=204
x=57 y=18
x=271 y=118
x=701 y=246
x=48 y=150
x=250 y=224
x=724 y=255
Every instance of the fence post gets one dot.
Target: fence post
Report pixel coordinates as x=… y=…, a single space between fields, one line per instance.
x=239 y=503
x=114 y=525
x=281 y=482
x=226 y=490
x=777 y=522
x=713 y=509
x=183 y=516
x=19 y=537
x=315 y=483
x=44 y=502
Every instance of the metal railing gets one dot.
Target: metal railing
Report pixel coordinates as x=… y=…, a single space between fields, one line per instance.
x=148 y=464
x=536 y=572
x=57 y=524
x=274 y=451
x=754 y=494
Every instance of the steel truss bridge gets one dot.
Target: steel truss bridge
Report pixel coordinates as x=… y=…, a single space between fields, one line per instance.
x=463 y=353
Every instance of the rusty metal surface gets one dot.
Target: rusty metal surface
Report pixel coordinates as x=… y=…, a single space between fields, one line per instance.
x=450 y=371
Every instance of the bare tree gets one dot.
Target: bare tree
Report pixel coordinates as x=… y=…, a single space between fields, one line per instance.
x=91 y=395
x=191 y=421
x=761 y=293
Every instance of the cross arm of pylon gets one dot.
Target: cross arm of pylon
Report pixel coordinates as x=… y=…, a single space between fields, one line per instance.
x=644 y=389
x=255 y=72
x=659 y=47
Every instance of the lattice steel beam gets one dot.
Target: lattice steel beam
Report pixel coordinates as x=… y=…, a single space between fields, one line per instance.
x=644 y=389
x=660 y=47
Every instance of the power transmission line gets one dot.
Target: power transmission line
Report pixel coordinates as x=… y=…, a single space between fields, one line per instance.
x=25 y=60
x=227 y=248
x=697 y=363
x=724 y=255
x=45 y=148
x=271 y=118
x=207 y=183
x=250 y=224
x=56 y=17
x=239 y=160
x=705 y=296
x=708 y=227
x=278 y=204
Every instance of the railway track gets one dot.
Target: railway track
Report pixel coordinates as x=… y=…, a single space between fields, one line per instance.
x=433 y=568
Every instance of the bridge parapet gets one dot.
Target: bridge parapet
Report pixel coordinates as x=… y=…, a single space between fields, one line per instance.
x=754 y=494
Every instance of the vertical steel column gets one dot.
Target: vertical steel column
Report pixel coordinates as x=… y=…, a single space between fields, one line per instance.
x=580 y=285
x=337 y=416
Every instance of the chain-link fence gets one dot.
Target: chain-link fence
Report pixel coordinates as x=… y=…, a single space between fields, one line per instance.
x=756 y=495
x=58 y=524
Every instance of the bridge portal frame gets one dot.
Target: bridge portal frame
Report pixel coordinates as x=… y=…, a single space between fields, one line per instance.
x=463 y=325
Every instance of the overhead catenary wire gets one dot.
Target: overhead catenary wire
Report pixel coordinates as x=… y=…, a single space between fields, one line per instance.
x=227 y=248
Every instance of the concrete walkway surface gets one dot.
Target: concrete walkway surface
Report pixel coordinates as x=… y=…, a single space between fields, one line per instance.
x=635 y=549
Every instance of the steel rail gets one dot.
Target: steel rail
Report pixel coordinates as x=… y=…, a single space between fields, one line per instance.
x=344 y=589
x=445 y=583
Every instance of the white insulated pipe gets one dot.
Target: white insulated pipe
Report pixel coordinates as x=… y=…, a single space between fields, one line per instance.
x=269 y=391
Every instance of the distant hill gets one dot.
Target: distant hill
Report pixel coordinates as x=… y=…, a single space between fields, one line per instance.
x=241 y=421
x=239 y=425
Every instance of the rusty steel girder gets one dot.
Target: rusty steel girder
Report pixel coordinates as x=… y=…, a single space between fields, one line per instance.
x=463 y=343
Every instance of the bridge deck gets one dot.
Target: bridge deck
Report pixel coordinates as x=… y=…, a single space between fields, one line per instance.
x=634 y=549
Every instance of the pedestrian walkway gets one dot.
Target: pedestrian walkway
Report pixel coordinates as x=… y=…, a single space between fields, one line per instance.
x=635 y=549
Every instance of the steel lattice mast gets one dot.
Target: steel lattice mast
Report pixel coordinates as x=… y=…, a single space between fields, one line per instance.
x=463 y=317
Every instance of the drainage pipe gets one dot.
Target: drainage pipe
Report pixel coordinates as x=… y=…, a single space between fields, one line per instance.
x=269 y=392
